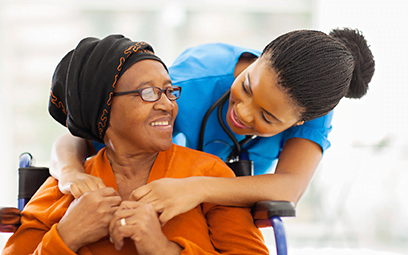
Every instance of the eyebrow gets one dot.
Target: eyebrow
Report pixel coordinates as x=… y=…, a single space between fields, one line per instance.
x=144 y=83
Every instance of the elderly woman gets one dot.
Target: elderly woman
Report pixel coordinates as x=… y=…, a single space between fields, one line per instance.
x=111 y=91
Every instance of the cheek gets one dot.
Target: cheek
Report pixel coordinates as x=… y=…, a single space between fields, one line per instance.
x=265 y=129
x=134 y=116
x=115 y=114
x=175 y=110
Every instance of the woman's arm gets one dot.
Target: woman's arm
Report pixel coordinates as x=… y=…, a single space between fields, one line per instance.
x=296 y=166
x=297 y=163
x=66 y=164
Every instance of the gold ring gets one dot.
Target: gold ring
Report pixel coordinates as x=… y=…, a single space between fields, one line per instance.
x=123 y=222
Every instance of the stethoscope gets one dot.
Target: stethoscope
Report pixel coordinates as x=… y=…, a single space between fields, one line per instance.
x=237 y=152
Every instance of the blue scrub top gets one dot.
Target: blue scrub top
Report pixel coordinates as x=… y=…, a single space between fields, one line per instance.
x=205 y=73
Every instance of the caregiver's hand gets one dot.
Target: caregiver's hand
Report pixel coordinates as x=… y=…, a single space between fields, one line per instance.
x=139 y=222
x=170 y=197
x=78 y=183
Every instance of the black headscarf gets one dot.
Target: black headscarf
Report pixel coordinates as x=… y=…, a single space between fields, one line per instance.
x=84 y=80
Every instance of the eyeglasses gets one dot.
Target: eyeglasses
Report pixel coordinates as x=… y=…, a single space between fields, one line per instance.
x=153 y=94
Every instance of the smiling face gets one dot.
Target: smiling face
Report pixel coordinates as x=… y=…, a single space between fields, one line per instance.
x=258 y=106
x=140 y=126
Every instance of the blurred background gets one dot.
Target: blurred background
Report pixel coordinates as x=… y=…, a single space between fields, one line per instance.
x=357 y=202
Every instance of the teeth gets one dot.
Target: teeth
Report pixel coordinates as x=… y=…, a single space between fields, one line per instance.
x=236 y=118
x=159 y=123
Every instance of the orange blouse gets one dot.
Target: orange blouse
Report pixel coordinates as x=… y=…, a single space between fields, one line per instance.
x=206 y=229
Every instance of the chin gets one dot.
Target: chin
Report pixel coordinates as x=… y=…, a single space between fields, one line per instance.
x=243 y=132
x=164 y=146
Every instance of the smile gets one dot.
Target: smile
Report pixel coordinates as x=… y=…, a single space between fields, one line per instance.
x=235 y=121
x=159 y=123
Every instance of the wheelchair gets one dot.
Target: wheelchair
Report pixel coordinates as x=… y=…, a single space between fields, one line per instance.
x=265 y=213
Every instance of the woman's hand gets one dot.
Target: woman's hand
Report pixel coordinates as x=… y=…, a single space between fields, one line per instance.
x=78 y=183
x=139 y=222
x=170 y=197
x=87 y=218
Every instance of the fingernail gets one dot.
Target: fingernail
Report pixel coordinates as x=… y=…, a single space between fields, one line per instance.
x=110 y=239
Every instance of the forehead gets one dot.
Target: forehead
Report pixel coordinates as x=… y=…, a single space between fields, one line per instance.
x=268 y=94
x=145 y=71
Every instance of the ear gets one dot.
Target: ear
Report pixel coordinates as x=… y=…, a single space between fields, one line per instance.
x=299 y=123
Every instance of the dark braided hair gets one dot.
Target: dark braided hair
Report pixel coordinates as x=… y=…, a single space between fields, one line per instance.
x=317 y=70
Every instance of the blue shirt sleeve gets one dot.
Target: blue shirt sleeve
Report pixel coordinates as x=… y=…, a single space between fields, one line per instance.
x=315 y=130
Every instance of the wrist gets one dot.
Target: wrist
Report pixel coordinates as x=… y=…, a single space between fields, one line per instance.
x=172 y=248
x=71 y=241
x=72 y=170
x=204 y=189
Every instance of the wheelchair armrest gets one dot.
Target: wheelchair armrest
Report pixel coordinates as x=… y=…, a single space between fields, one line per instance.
x=30 y=180
x=263 y=211
x=9 y=219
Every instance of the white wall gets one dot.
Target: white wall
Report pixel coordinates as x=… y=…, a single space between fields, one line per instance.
x=357 y=198
x=362 y=182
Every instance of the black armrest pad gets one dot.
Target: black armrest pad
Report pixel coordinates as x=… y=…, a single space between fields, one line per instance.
x=267 y=209
x=30 y=180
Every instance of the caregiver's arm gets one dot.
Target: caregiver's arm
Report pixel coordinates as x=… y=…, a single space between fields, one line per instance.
x=66 y=164
x=296 y=166
x=297 y=163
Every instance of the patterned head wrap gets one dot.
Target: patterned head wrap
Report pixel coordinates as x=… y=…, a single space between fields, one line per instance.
x=84 y=80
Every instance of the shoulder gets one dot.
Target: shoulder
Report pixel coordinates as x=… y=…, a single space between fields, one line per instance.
x=316 y=130
x=48 y=192
x=48 y=204
x=199 y=163
x=207 y=60
x=199 y=156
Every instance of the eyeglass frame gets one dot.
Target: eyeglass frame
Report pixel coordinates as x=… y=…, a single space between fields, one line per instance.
x=139 y=91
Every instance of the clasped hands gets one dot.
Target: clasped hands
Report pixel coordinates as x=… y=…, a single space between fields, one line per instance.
x=102 y=212
x=168 y=196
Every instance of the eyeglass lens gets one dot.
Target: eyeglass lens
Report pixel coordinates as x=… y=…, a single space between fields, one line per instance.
x=153 y=94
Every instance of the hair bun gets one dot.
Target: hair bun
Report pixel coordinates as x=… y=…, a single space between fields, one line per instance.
x=363 y=58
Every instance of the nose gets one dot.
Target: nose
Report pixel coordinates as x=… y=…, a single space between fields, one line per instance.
x=164 y=103
x=244 y=112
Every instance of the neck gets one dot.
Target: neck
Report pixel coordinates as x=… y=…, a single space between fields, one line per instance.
x=131 y=166
x=131 y=171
